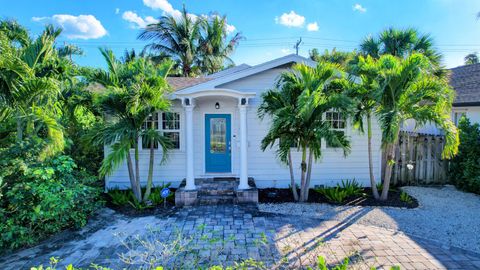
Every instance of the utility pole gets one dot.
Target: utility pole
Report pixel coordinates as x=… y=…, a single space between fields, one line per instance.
x=297 y=45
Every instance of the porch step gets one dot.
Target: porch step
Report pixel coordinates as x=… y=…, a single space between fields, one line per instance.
x=215 y=199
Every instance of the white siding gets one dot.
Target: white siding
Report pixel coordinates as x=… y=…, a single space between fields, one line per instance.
x=472 y=113
x=263 y=166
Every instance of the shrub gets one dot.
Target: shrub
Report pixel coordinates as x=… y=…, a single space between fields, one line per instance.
x=41 y=198
x=125 y=197
x=338 y=194
x=404 y=197
x=464 y=170
x=120 y=197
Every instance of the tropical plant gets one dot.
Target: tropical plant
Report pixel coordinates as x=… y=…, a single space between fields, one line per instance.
x=352 y=187
x=400 y=43
x=409 y=90
x=215 y=50
x=196 y=44
x=404 y=197
x=337 y=57
x=135 y=90
x=334 y=194
x=30 y=81
x=464 y=169
x=41 y=197
x=296 y=107
x=471 y=58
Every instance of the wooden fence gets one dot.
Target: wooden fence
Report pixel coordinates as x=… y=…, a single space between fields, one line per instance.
x=418 y=160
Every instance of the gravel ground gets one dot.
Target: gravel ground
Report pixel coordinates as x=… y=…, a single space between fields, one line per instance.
x=445 y=214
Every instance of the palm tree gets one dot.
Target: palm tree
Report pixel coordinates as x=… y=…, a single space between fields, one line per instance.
x=401 y=43
x=30 y=84
x=296 y=107
x=337 y=57
x=365 y=91
x=177 y=37
x=410 y=91
x=215 y=50
x=471 y=59
x=136 y=90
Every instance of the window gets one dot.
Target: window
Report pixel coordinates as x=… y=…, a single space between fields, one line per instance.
x=457 y=116
x=171 y=127
x=151 y=122
x=337 y=122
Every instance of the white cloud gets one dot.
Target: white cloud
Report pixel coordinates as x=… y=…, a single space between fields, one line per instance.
x=285 y=51
x=137 y=21
x=359 y=8
x=117 y=11
x=168 y=9
x=76 y=27
x=312 y=27
x=291 y=19
x=163 y=5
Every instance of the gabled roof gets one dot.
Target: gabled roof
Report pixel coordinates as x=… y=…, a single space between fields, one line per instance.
x=245 y=72
x=466 y=82
x=228 y=71
x=178 y=83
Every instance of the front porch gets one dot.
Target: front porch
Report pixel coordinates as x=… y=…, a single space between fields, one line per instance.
x=217 y=190
x=216 y=146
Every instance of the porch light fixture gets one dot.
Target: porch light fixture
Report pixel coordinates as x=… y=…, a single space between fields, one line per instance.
x=217 y=105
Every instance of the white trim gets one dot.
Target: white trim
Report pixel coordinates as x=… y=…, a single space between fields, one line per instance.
x=215 y=92
x=292 y=58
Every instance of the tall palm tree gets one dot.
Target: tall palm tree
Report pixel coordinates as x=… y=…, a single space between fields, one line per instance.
x=471 y=58
x=177 y=37
x=410 y=91
x=401 y=43
x=296 y=107
x=215 y=49
x=337 y=57
x=136 y=90
x=365 y=91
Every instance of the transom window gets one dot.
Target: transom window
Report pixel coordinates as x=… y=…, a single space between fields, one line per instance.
x=337 y=122
x=169 y=127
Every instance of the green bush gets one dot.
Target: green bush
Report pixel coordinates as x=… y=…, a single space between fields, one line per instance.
x=125 y=197
x=464 y=170
x=338 y=194
x=41 y=197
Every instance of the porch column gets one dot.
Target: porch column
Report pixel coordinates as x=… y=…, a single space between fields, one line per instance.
x=243 y=145
x=189 y=144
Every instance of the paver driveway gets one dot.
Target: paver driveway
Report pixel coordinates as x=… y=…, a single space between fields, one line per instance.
x=222 y=234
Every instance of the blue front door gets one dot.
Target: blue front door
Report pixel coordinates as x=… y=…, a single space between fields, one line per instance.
x=218 y=158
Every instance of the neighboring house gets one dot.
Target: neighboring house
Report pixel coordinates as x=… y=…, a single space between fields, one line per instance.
x=465 y=80
x=217 y=133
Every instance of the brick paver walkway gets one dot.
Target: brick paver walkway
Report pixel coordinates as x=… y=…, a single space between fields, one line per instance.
x=223 y=234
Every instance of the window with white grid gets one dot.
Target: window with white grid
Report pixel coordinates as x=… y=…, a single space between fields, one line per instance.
x=337 y=122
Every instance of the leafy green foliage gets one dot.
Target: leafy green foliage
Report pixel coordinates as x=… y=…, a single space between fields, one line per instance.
x=340 y=192
x=125 y=197
x=404 y=197
x=41 y=198
x=464 y=169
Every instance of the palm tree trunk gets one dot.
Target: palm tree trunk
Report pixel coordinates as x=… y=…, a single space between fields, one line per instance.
x=309 y=174
x=302 y=178
x=132 y=175
x=370 y=161
x=137 y=173
x=19 y=128
x=148 y=189
x=388 y=171
x=292 y=177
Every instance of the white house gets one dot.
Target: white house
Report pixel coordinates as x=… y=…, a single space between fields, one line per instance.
x=217 y=133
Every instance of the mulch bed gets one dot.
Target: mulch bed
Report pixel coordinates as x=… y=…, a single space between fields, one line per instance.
x=157 y=210
x=278 y=195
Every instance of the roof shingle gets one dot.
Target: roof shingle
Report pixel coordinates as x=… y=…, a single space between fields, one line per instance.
x=178 y=83
x=466 y=82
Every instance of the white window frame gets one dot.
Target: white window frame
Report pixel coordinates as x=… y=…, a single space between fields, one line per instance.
x=344 y=129
x=162 y=131
x=179 y=130
x=140 y=140
x=457 y=115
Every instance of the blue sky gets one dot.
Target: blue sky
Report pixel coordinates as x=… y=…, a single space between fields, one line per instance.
x=271 y=27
